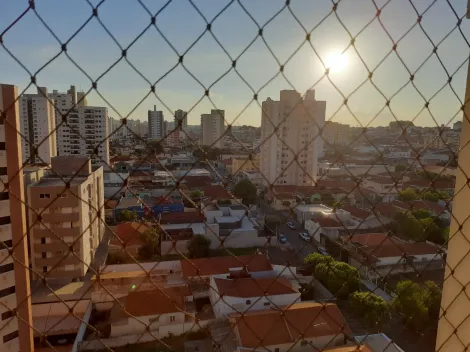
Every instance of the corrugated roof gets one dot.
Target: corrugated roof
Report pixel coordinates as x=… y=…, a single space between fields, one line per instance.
x=254 y=287
x=221 y=265
x=289 y=324
x=153 y=302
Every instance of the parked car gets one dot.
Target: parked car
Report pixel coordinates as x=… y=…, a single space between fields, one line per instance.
x=322 y=250
x=304 y=236
x=291 y=225
x=282 y=238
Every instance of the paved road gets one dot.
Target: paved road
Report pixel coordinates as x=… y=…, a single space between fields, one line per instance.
x=294 y=241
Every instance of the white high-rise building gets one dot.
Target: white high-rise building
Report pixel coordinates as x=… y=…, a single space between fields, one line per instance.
x=156 y=124
x=212 y=127
x=37 y=125
x=182 y=116
x=85 y=131
x=298 y=121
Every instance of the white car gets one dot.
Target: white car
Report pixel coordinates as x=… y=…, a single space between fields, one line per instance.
x=291 y=225
x=304 y=236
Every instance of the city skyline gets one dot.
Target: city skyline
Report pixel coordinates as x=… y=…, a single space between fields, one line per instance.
x=123 y=88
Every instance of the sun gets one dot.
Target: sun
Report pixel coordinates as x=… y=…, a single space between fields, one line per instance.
x=336 y=62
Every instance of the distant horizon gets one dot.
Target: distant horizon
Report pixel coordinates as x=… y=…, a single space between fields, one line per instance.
x=210 y=64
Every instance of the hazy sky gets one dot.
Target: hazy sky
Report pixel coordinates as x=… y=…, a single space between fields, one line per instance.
x=95 y=51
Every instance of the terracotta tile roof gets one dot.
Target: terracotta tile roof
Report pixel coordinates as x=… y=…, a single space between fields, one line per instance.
x=327 y=222
x=197 y=181
x=384 y=180
x=254 y=287
x=227 y=161
x=372 y=239
x=216 y=192
x=386 y=209
x=118 y=158
x=441 y=184
x=275 y=327
x=221 y=265
x=182 y=218
x=357 y=212
x=153 y=302
x=345 y=184
x=128 y=233
x=398 y=249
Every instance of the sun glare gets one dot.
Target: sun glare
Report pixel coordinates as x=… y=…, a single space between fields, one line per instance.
x=336 y=62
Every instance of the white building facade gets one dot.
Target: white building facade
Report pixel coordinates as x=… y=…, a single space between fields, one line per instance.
x=298 y=122
x=37 y=125
x=85 y=130
x=182 y=116
x=212 y=127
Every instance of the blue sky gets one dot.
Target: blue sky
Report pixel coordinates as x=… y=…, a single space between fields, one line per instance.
x=95 y=51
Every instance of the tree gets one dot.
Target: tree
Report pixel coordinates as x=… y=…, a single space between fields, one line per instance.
x=199 y=247
x=432 y=232
x=407 y=195
x=245 y=190
x=418 y=305
x=340 y=278
x=151 y=244
x=196 y=194
x=128 y=215
x=317 y=258
x=154 y=147
x=409 y=227
x=421 y=214
x=369 y=307
x=286 y=204
x=400 y=168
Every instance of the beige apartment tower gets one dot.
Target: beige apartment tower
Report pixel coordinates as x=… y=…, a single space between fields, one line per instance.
x=298 y=122
x=212 y=127
x=336 y=134
x=15 y=294
x=69 y=216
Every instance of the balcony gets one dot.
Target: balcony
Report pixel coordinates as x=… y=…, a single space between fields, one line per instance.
x=69 y=259
x=61 y=217
x=60 y=231
x=55 y=246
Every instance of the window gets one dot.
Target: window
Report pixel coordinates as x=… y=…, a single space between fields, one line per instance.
x=10 y=336
x=172 y=318
x=7 y=291
x=44 y=269
x=6 y=244
x=44 y=195
x=43 y=240
x=8 y=314
x=6 y=268
x=248 y=301
x=303 y=343
x=266 y=303
x=44 y=255
x=62 y=195
x=4 y=196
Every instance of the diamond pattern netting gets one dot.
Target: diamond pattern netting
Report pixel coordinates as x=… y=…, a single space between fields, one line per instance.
x=145 y=295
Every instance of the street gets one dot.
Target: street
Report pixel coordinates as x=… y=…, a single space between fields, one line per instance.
x=301 y=247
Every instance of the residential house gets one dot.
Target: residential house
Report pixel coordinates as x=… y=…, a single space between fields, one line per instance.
x=199 y=270
x=126 y=237
x=161 y=311
x=303 y=326
x=387 y=188
x=378 y=255
x=240 y=292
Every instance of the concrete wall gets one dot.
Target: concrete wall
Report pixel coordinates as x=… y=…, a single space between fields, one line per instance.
x=168 y=247
x=130 y=325
x=321 y=343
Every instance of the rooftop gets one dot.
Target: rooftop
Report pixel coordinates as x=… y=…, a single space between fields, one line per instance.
x=288 y=324
x=313 y=208
x=129 y=202
x=179 y=218
x=254 y=287
x=222 y=265
x=129 y=234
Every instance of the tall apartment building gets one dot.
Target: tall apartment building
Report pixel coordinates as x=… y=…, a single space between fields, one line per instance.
x=37 y=123
x=298 y=120
x=182 y=116
x=85 y=131
x=15 y=293
x=212 y=128
x=156 y=124
x=69 y=216
x=335 y=133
